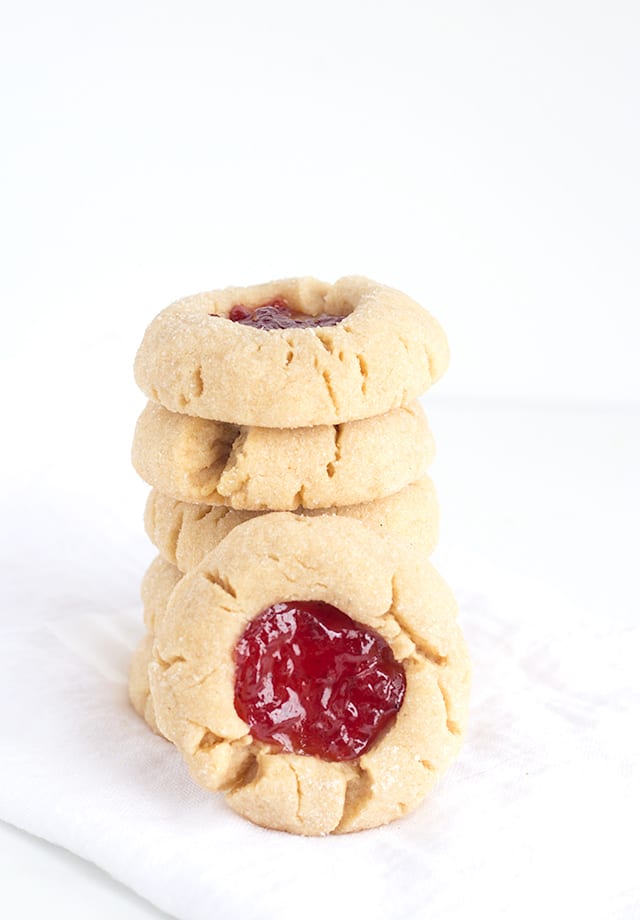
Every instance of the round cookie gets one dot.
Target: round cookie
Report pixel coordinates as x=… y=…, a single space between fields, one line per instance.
x=282 y=557
x=384 y=352
x=184 y=533
x=281 y=469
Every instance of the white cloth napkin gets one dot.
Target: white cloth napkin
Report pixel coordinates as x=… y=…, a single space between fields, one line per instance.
x=527 y=823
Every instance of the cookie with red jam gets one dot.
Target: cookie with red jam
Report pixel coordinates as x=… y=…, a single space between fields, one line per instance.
x=314 y=671
x=281 y=469
x=184 y=533
x=291 y=353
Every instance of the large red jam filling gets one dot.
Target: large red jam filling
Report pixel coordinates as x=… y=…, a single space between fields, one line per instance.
x=277 y=314
x=310 y=680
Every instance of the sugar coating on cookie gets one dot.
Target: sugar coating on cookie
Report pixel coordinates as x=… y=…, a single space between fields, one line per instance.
x=384 y=351
x=280 y=558
x=184 y=533
x=281 y=469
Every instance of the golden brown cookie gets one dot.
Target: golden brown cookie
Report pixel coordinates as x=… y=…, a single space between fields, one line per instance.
x=275 y=559
x=281 y=469
x=184 y=533
x=383 y=352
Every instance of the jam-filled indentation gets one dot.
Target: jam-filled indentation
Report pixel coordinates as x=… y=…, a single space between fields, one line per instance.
x=277 y=314
x=310 y=680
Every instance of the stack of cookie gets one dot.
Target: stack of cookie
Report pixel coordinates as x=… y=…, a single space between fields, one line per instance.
x=297 y=396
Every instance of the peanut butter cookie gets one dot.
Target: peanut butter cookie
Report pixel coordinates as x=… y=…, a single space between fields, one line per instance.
x=314 y=671
x=281 y=469
x=184 y=533
x=291 y=353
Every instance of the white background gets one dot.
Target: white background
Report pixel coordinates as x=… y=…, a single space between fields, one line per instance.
x=482 y=157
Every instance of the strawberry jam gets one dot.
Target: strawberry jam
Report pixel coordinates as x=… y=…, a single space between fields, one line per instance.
x=278 y=315
x=310 y=680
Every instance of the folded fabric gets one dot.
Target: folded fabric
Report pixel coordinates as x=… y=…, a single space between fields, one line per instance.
x=522 y=826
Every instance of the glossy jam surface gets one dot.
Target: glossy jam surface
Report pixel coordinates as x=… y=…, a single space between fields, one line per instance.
x=279 y=315
x=310 y=680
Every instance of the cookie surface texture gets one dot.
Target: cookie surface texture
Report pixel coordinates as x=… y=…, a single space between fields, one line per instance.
x=184 y=533
x=384 y=352
x=157 y=584
x=139 y=692
x=281 y=469
x=282 y=557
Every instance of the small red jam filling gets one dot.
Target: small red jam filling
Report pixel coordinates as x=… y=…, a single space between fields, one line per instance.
x=310 y=680
x=278 y=315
